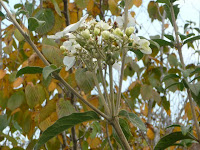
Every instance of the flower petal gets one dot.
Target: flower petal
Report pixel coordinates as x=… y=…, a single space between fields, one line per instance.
x=69 y=62
x=117 y=66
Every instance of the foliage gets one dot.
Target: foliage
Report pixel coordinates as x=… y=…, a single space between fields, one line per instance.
x=33 y=103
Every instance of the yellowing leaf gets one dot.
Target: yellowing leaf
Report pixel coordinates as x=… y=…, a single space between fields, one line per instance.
x=18 y=82
x=137 y=3
x=188 y=111
x=96 y=11
x=94 y=142
x=114 y=7
x=166 y=26
x=90 y=5
x=73 y=16
x=150 y=134
x=146 y=91
x=2 y=73
x=52 y=86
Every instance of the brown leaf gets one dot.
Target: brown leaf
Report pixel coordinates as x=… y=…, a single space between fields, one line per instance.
x=150 y=134
x=90 y=5
x=137 y=3
x=18 y=82
x=2 y=73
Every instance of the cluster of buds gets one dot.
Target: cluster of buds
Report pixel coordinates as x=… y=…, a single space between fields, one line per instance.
x=91 y=41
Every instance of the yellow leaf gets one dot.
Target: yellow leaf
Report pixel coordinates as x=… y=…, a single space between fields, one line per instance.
x=15 y=111
x=18 y=82
x=132 y=13
x=188 y=111
x=137 y=3
x=34 y=60
x=73 y=16
x=2 y=73
x=52 y=86
x=114 y=7
x=150 y=134
x=94 y=142
x=90 y=5
x=176 y=129
x=71 y=6
x=166 y=26
x=95 y=11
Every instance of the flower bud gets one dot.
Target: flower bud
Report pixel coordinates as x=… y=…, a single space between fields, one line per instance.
x=86 y=34
x=62 y=48
x=96 y=31
x=105 y=34
x=118 y=32
x=129 y=31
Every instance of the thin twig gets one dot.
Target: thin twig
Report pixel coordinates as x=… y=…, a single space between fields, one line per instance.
x=183 y=65
x=104 y=83
x=58 y=77
x=124 y=51
x=66 y=12
x=100 y=93
x=109 y=141
x=111 y=90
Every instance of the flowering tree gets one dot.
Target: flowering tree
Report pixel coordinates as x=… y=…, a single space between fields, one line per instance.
x=82 y=58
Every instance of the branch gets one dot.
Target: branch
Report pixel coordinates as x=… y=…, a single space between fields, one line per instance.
x=57 y=76
x=124 y=51
x=183 y=65
x=111 y=91
x=66 y=12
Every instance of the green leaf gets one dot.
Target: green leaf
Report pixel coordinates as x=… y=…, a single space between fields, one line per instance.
x=154 y=44
x=52 y=52
x=18 y=6
x=170 y=76
x=2 y=16
x=46 y=15
x=125 y=128
x=64 y=108
x=29 y=70
x=63 y=124
x=174 y=125
x=165 y=103
x=29 y=7
x=192 y=39
x=84 y=79
x=168 y=12
x=81 y=3
x=138 y=53
x=162 y=42
x=34 y=23
x=46 y=72
x=56 y=7
x=16 y=100
x=134 y=119
x=170 y=37
x=35 y=94
x=146 y=91
x=171 y=139
x=173 y=60
x=4 y=122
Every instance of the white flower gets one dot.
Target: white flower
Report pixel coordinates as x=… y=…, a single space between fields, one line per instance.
x=103 y=25
x=96 y=31
x=71 y=46
x=144 y=46
x=118 y=32
x=129 y=31
x=105 y=35
x=120 y=21
x=86 y=34
x=70 y=28
x=69 y=62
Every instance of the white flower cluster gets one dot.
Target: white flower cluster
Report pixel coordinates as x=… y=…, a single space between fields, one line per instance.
x=90 y=41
